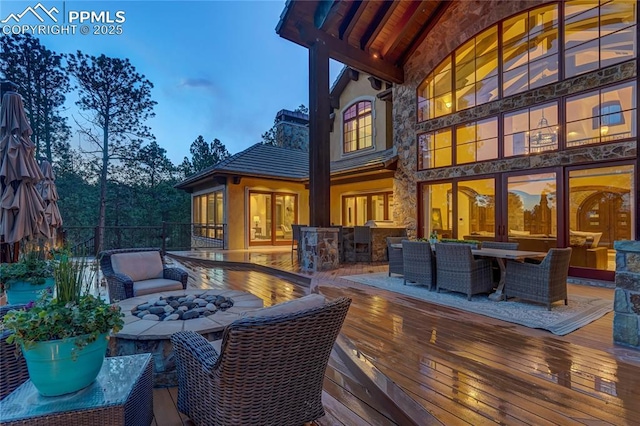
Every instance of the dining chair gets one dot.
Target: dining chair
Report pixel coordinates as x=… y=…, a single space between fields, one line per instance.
x=418 y=263
x=543 y=283
x=502 y=245
x=457 y=270
x=395 y=256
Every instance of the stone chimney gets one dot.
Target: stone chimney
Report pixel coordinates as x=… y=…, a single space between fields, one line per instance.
x=292 y=130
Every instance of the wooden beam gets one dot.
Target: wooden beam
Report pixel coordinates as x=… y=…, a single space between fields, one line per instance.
x=354 y=75
x=413 y=12
x=376 y=83
x=426 y=29
x=380 y=19
x=351 y=56
x=350 y=19
x=324 y=11
x=319 y=144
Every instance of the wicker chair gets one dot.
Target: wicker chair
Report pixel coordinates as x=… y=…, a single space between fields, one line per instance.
x=395 y=256
x=544 y=283
x=13 y=368
x=419 y=263
x=494 y=263
x=270 y=370
x=459 y=271
x=500 y=245
x=121 y=285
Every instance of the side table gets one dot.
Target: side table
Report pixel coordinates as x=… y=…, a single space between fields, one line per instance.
x=122 y=394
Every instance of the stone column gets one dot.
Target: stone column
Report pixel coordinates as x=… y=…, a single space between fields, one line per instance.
x=626 y=320
x=319 y=249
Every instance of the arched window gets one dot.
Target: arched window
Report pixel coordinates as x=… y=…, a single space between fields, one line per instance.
x=358 y=126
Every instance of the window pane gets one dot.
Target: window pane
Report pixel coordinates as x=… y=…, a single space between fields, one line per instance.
x=516 y=122
x=465 y=53
x=442 y=157
x=532 y=206
x=487 y=149
x=582 y=132
x=487 y=65
x=515 y=55
x=465 y=74
x=544 y=44
x=476 y=208
x=575 y=7
x=515 y=30
x=581 y=59
x=543 y=71
x=442 y=83
x=487 y=41
x=437 y=209
x=443 y=105
x=466 y=97
x=581 y=106
x=424 y=151
x=465 y=152
x=487 y=90
x=443 y=139
x=581 y=28
x=516 y=81
x=616 y=15
x=618 y=47
x=543 y=18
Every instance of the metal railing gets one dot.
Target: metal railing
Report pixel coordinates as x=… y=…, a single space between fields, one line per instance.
x=170 y=236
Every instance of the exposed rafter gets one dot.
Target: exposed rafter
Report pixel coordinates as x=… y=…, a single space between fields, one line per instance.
x=325 y=10
x=379 y=21
x=412 y=14
x=341 y=51
x=350 y=19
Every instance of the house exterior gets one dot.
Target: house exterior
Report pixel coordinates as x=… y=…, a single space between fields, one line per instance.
x=257 y=194
x=513 y=120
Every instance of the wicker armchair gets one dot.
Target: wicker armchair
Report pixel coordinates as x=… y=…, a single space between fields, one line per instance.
x=544 y=283
x=270 y=370
x=459 y=271
x=500 y=245
x=395 y=256
x=13 y=367
x=121 y=286
x=419 y=263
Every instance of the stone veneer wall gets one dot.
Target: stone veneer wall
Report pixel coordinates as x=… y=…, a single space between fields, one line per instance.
x=379 y=249
x=626 y=306
x=319 y=249
x=292 y=136
x=461 y=21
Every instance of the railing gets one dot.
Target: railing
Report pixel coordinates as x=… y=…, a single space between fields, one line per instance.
x=170 y=236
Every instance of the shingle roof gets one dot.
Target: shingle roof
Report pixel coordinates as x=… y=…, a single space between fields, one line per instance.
x=262 y=160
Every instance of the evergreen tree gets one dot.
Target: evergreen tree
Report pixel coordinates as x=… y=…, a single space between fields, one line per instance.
x=42 y=83
x=204 y=155
x=117 y=101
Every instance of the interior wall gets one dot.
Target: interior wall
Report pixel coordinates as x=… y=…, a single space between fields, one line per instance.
x=365 y=187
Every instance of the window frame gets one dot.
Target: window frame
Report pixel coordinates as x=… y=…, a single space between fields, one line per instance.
x=355 y=119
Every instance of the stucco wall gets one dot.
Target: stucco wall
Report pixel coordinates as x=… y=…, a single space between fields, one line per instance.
x=461 y=21
x=356 y=91
x=237 y=205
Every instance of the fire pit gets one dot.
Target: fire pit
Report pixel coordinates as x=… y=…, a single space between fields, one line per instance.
x=147 y=332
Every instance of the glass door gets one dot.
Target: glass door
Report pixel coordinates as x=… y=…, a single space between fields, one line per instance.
x=270 y=217
x=531 y=211
x=476 y=209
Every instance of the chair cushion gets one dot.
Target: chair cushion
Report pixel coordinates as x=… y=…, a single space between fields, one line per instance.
x=142 y=265
x=301 y=304
x=155 y=285
x=595 y=235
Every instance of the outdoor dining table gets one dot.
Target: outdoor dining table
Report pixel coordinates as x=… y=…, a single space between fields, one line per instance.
x=499 y=255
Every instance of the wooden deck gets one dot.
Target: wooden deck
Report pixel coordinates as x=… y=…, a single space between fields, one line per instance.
x=458 y=367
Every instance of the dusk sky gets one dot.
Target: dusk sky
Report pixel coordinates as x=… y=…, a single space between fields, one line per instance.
x=218 y=67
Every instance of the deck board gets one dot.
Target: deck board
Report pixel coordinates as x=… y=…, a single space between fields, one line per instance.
x=462 y=367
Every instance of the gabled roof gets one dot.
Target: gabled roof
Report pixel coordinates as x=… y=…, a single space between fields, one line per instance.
x=267 y=161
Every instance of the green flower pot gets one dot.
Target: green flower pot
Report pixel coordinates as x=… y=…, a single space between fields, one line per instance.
x=58 y=367
x=22 y=292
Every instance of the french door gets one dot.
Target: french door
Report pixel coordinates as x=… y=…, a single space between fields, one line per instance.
x=271 y=215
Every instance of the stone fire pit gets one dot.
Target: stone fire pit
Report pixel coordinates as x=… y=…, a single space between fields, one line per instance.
x=152 y=335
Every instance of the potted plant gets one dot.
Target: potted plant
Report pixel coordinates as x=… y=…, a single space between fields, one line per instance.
x=64 y=340
x=23 y=281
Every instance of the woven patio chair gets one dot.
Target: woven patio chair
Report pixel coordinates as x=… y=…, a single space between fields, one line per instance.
x=13 y=367
x=121 y=286
x=500 y=245
x=395 y=256
x=543 y=283
x=457 y=270
x=269 y=370
x=419 y=263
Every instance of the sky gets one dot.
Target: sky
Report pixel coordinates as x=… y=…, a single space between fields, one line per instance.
x=218 y=67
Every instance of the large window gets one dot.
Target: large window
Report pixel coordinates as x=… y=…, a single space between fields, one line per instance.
x=477 y=141
x=477 y=70
x=437 y=209
x=601 y=116
x=434 y=94
x=530 y=50
x=434 y=149
x=271 y=215
x=358 y=209
x=532 y=206
x=598 y=35
x=531 y=130
x=358 y=127
x=208 y=214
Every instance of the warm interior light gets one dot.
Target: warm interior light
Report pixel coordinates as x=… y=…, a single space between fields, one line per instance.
x=447 y=104
x=256 y=219
x=604 y=130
